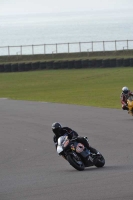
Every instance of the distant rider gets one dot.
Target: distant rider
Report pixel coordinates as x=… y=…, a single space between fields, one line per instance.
x=124 y=96
x=59 y=131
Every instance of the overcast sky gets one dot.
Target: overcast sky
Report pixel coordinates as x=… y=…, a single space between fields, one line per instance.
x=48 y=6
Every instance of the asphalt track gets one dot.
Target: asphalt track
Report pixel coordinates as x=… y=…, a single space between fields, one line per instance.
x=30 y=168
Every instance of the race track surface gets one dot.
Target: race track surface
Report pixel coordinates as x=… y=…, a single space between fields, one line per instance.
x=30 y=168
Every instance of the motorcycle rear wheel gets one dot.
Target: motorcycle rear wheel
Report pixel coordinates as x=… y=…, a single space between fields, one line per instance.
x=79 y=165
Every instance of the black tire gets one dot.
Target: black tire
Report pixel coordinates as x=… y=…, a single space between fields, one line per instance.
x=100 y=161
x=79 y=165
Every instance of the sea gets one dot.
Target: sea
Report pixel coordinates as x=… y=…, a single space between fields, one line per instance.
x=42 y=33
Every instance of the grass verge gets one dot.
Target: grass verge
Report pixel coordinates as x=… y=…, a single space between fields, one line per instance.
x=67 y=56
x=90 y=87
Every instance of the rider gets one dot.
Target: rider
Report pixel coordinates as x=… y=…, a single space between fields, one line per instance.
x=58 y=131
x=124 y=96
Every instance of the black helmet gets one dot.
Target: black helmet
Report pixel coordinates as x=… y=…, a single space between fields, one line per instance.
x=56 y=128
x=125 y=90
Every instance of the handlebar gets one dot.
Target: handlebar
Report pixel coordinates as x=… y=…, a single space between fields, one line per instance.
x=73 y=139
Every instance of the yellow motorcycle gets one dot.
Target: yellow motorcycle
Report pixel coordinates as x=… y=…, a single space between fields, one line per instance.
x=130 y=105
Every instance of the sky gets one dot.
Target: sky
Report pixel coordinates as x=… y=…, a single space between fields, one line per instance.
x=8 y=7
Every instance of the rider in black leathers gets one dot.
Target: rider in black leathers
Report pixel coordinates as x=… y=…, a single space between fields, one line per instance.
x=58 y=131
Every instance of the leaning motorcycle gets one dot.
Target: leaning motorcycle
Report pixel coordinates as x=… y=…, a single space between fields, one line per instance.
x=78 y=155
x=130 y=104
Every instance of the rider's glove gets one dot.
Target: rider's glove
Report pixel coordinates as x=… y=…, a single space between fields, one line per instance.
x=86 y=138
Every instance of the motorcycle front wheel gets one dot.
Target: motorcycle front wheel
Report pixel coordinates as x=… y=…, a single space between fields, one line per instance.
x=77 y=164
x=100 y=161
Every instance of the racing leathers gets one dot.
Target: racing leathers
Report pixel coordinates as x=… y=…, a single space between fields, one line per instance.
x=124 y=98
x=66 y=131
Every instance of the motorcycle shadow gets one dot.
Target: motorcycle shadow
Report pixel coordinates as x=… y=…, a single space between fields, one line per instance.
x=105 y=168
x=87 y=169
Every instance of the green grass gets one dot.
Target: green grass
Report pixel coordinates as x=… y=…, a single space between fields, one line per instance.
x=91 y=87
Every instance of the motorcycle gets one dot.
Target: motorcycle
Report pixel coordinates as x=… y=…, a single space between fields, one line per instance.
x=78 y=155
x=130 y=105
